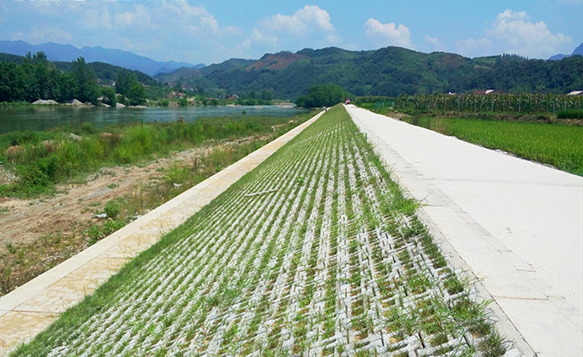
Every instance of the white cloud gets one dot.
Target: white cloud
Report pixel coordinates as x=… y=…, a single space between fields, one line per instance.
x=139 y=18
x=435 y=43
x=55 y=8
x=309 y=18
x=258 y=37
x=476 y=48
x=195 y=20
x=100 y=19
x=389 y=34
x=514 y=33
x=45 y=34
x=310 y=24
x=332 y=38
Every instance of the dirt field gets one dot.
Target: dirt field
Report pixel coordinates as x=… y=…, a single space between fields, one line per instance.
x=74 y=207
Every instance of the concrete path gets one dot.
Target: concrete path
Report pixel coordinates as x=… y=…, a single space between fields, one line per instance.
x=517 y=225
x=30 y=308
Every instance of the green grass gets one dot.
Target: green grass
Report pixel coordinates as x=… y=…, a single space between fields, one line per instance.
x=44 y=159
x=558 y=145
x=316 y=232
x=45 y=253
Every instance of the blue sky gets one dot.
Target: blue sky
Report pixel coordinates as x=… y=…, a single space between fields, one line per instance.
x=214 y=31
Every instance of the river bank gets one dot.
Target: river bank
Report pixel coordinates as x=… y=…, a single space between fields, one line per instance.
x=30 y=117
x=40 y=230
x=39 y=233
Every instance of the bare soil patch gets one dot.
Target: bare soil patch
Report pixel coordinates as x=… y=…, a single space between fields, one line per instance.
x=37 y=234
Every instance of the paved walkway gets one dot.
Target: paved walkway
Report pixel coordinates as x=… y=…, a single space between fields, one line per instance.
x=29 y=309
x=517 y=225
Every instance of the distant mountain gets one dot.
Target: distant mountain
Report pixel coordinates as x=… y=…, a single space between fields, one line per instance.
x=390 y=71
x=577 y=51
x=67 y=53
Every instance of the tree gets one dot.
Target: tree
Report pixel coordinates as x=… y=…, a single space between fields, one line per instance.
x=87 y=89
x=68 y=87
x=45 y=76
x=127 y=84
x=123 y=83
x=137 y=94
x=12 y=86
x=108 y=95
x=323 y=95
x=266 y=94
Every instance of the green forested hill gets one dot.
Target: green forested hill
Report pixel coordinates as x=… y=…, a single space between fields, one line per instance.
x=35 y=77
x=390 y=71
x=103 y=71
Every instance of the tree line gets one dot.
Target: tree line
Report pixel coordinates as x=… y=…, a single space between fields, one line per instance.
x=35 y=77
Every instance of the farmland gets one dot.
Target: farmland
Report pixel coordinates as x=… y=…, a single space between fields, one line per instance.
x=315 y=252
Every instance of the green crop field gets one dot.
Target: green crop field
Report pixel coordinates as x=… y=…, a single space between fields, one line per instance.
x=316 y=252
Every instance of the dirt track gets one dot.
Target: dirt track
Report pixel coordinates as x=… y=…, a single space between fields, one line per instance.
x=73 y=208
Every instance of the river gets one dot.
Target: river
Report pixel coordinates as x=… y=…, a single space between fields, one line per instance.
x=42 y=118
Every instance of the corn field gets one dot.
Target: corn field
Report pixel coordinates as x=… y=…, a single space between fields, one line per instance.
x=476 y=103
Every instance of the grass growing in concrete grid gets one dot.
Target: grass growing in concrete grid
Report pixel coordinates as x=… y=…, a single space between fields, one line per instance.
x=315 y=252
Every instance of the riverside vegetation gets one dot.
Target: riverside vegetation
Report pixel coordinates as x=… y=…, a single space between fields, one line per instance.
x=51 y=162
x=316 y=251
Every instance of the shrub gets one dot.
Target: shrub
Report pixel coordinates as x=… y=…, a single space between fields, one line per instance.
x=112 y=209
x=123 y=154
x=70 y=158
x=112 y=226
x=39 y=175
x=88 y=128
x=94 y=234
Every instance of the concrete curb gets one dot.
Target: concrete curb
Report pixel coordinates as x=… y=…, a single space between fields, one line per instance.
x=32 y=307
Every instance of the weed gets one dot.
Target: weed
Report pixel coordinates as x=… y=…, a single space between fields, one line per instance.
x=112 y=226
x=112 y=209
x=11 y=248
x=493 y=346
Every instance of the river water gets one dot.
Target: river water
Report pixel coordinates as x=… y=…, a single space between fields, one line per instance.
x=42 y=118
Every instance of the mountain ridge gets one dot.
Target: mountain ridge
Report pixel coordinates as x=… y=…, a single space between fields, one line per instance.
x=66 y=53
x=577 y=52
x=391 y=71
